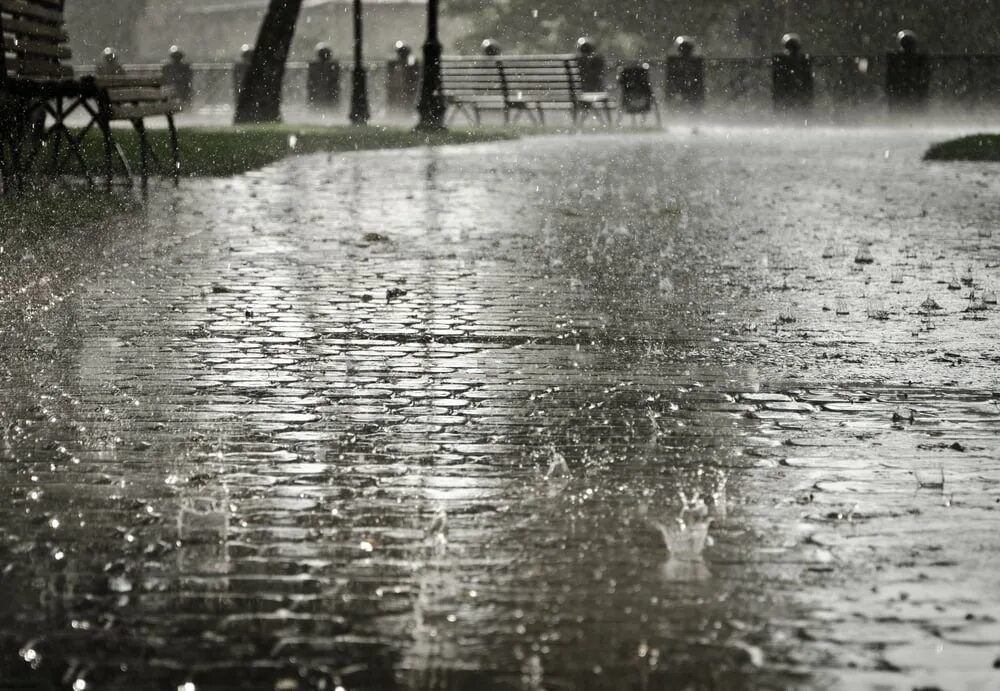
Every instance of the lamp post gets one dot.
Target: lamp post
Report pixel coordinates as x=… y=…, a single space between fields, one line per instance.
x=359 y=82
x=431 y=106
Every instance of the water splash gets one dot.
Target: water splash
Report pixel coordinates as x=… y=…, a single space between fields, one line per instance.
x=558 y=467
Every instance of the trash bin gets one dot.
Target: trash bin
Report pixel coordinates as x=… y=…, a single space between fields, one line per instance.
x=490 y=48
x=685 y=83
x=402 y=79
x=792 y=77
x=908 y=75
x=179 y=77
x=591 y=66
x=109 y=65
x=323 y=79
x=636 y=93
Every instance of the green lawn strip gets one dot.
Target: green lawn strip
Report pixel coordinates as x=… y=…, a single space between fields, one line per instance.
x=56 y=209
x=231 y=150
x=976 y=147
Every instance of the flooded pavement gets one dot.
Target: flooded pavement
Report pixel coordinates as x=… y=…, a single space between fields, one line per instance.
x=693 y=410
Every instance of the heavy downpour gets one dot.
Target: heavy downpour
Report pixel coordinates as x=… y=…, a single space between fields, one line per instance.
x=434 y=345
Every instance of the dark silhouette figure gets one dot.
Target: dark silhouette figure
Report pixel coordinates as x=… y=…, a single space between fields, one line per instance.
x=591 y=65
x=490 y=48
x=240 y=69
x=686 y=75
x=637 y=93
x=179 y=77
x=323 y=79
x=402 y=79
x=908 y=75
x=109 y=65
x=792 y=77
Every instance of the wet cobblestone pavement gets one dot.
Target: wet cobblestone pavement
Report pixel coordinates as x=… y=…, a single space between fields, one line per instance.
x=431 y=420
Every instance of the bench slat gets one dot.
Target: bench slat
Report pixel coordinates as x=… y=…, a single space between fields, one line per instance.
x=134 y=94
x=29 y=47
x=46 y=12
x=32 y=68
x=27 y=27
x=136 y=112
x=126 y=82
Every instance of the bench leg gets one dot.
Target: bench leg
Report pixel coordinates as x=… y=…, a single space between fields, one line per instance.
x=112 y=152
x=140 y=130
x=18 y=142
x=109 y=144
x=175 y=149
x=56 y=134
x=6 y=165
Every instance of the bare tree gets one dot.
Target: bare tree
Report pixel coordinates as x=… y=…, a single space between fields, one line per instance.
x=260 y=95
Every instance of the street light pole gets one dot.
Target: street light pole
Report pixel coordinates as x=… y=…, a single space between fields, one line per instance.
x=359 y=82
x=431 y=106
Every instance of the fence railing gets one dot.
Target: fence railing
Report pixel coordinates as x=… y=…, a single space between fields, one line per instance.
x=732 y=85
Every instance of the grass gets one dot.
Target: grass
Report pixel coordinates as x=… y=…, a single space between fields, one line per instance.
x=56 y=209
x=976 y=147
x=205 y=152
x=231 y=150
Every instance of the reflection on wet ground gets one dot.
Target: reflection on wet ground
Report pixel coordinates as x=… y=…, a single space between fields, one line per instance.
x=695 y=410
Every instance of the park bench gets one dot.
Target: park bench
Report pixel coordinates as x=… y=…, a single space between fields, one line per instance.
x=38 y=93
x=519 y=84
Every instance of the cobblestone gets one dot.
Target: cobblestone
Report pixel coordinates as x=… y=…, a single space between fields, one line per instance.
x=225 y=449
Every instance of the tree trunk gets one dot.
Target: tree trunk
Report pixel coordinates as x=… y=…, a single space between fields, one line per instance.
x=260 y=95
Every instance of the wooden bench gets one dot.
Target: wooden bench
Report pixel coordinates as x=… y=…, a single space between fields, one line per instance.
x=519 y=84
x=42 y=93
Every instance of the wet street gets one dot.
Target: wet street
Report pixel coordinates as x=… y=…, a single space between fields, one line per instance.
x=711 y=409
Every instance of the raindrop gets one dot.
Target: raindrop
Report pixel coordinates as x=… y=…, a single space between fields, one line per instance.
x=29 y=654
x=120 y=584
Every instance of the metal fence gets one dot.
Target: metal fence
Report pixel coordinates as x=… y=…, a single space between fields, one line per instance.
x=847 y=82
x=734 y=86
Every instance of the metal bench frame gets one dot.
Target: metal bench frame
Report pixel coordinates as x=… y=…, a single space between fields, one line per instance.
x=520 y=84
x=40 y=93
